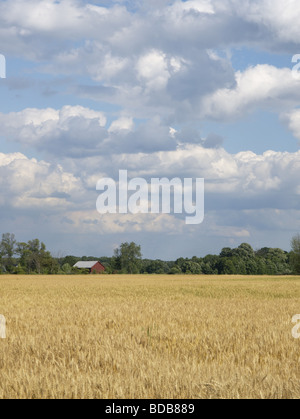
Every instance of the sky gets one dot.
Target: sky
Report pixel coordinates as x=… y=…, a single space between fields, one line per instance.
x=162 y=88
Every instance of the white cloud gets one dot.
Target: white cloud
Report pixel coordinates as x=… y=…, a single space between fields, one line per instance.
x=123 y=123
x=67 y=17
x=159 y=65
x=78 y=132
x=79 y=111
x=31 y=184
x=240 y=190
x=243 y=179
x=200 y=6
x=277 y=17
x=62 y=132
x=122 y=31
x=292 y=120
x=259 y=87
x=246 y=180
x=92 y=222
x=152 y=68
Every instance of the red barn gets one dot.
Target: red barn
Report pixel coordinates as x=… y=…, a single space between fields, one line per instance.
x=93 y=266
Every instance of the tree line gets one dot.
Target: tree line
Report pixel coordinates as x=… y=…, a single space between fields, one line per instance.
x=33 y=258
x=25 y=258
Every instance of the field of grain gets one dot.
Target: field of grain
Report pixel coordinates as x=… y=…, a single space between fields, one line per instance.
x=149 y=337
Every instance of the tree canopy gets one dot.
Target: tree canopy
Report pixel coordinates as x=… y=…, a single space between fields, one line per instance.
x=127 y=258
x=295 y=254
x=32 y=257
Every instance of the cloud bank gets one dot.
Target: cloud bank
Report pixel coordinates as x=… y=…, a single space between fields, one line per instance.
x=134 y=85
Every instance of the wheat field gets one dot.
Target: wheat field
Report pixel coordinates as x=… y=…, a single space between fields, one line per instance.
x=149 y=337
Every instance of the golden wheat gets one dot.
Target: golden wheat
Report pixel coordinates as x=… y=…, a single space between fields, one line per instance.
x=149 y=337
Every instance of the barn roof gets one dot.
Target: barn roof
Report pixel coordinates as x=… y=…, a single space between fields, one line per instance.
x=85 y=265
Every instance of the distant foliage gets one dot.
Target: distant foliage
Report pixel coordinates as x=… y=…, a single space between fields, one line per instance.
x=127 y=258
x=33 y=258
x=25 y=258
x=242 y=260
x=295 y=254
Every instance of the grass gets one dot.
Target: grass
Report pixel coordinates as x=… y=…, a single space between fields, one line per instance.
x=149 y=337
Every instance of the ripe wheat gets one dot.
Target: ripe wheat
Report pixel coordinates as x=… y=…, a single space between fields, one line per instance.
x=149 y=337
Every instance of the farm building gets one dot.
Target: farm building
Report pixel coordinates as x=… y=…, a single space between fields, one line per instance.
x=93 y=266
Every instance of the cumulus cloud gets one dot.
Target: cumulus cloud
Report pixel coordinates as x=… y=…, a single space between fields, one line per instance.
x=275 y=20
x=91 y=222
x=152 y=69
x=72 y=131
x=243 y=180
x=28 y=184
x=121 y=28
x=118 y=22
x=123 y=123
x=237 y=187
x=259 y=87
x=166 y=74
x=78 y=132
x=292 y=121
x=153 y=81
x=116 y=48
x=27 y=25
x=159 y=72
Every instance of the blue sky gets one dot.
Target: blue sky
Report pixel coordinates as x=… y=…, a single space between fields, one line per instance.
x=201 y=88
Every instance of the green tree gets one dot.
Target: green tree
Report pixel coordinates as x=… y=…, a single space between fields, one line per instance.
x=70 y=260
x=66 y=268
x=261 y=265
x=157 y=267
x=190 y=266
x=36 y=259
x=226 y=266
x=127 y=258
x=36 y=252
x=23 y=252
x=226 y=252
x=245 y=260
x=175 y=270
x=7 y=251
x=210 y=265
x=295 y=254
x=276 y=261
